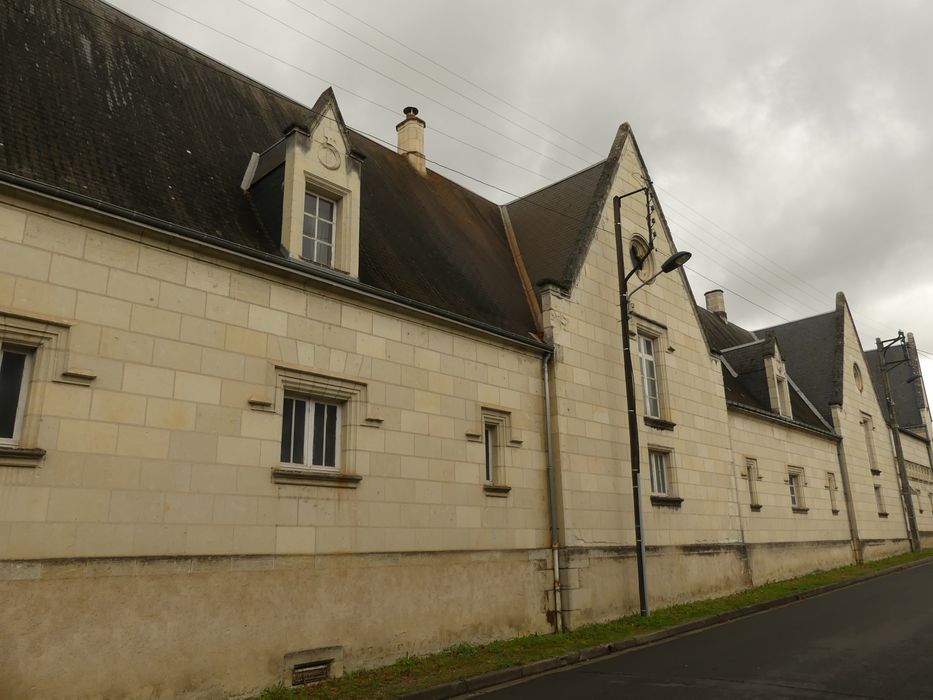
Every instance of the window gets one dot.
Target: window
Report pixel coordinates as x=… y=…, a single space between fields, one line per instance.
x=489 y=443
x=649 y=375
x=783 y=397
x=659 y=464
x=15 y=365
x=879 y=501
x=317 y=240
x=795 y=484
x=310 y=433
x=751 y=473
x=857 y=373
x=831 y=486
x=496 y=437
x=868 y=429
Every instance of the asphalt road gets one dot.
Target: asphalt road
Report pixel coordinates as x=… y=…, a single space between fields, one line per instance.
x=871 y=640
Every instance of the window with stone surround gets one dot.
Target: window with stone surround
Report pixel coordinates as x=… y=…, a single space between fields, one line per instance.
x=832 y=488
x=321 y=416
x=879 y=501
x=868 y=429
x=661 y=477
x=752 y=474
x=795 y=484
x=318 y=229
x=650 y=381
x=495 y=434
x=33 y=349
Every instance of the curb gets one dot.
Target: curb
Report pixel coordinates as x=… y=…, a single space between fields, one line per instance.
x=458 y=688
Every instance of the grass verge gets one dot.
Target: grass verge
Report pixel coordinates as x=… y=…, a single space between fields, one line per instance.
x=465 y=660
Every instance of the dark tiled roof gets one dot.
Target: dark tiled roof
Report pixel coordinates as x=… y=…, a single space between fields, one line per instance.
x=722 y=334
x=745 y=353
x=809 y=349
x=554 y=226
x=905 y=395
x=548 y=224
x=100 y=105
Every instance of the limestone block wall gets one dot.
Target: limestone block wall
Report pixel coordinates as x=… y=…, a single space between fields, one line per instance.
x=595 y=477
x=170 y=449
x=848 y=419
x=775 y=448
x=920 y=476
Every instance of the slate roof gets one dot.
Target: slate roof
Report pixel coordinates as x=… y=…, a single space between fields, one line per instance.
x=809 y=349
x=102 y=106
x=744 y=379
x=554 y=226
x=906 y=399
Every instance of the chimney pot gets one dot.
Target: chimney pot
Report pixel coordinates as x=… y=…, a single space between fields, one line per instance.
x=411 y=139
x=715 y=303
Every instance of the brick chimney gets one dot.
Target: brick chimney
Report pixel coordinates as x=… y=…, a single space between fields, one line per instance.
x=411 y=139
x=715 y=303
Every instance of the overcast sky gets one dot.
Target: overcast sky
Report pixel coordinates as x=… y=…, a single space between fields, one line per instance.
x=788 y=140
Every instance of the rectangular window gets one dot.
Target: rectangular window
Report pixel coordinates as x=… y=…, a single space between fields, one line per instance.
x=490 y=432
x=868 y=428
x=310 y=433
x=751 y=472
x=795 y=486
x=659 y=465
x=879 y=500
x=649 y=375
x=317 y=242
x=14 y=379
x=831 y=485
x=782 y=397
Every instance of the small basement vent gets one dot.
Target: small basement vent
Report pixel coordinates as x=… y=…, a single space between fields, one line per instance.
x=311 y=672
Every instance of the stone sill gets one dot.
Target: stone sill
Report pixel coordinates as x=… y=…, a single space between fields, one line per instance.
x=658 y=423
x=802 y=511
x=306 y=477
x=882 y=515
x=755 y=507
x=876 y=472
x=497 y=490
x=28 y=457
x=666 y=501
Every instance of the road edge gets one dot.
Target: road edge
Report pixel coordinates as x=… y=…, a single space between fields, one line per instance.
x=455 y=689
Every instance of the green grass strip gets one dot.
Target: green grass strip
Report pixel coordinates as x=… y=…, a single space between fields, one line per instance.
x=465 y=660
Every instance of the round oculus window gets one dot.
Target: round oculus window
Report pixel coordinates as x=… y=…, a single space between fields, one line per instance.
x=642 y=260
x=857 y=373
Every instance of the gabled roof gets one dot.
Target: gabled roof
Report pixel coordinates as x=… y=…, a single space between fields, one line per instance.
x=101 y=106
x=907 y=403
x=809 y=348
x=743 y=355
x=554 y=226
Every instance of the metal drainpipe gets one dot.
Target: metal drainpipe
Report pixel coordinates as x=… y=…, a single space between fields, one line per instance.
x=552 y=497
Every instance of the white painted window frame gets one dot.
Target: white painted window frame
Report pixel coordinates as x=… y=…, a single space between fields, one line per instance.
x=310 y=403
x=23 y=396
x=645 y=360
x=332 y=246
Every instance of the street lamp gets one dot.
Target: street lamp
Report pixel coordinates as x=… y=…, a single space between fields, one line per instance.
x=887 y=366
x=672 y=263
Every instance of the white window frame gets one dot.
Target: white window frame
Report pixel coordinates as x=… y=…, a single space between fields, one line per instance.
x=752 y=474
x=316 y=218
x=23 y=396
x=498 y=424
x=490 y=444
x=311 y=404
x=659 y=469
x=645 y=361
x=796 y=482
x=832 y=488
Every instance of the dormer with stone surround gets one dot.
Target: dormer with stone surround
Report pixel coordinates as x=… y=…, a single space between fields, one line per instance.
x=317 y=172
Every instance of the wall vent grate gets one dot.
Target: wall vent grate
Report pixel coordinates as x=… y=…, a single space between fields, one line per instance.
x=311 y=672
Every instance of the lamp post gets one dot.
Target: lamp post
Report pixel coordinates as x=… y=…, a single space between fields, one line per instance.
x=887 y=366
x=672 y=263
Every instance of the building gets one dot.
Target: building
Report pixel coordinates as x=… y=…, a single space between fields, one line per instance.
x=273 y=394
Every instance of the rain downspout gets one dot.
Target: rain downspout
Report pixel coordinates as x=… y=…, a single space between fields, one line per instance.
x=552 y=496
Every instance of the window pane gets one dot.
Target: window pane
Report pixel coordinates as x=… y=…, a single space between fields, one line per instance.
x=287 y=413
x=307 y=248
x=325 y=210
x=310 y=204
x=11 y=382
x=323 y=254
x=325 y=231
x=330 y=437
x=298 y=431
x=490 y=440
x=317 y=454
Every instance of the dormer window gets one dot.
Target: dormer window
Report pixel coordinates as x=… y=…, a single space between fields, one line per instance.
x=317 y=242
